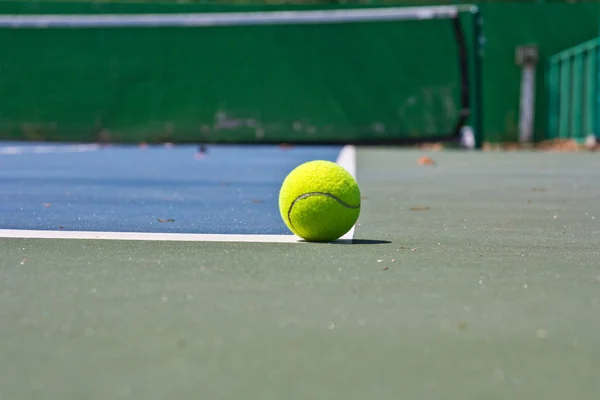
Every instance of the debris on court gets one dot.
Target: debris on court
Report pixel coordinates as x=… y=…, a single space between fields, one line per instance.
x=504 y=146
x=201 y=152
x=561 y=145
x=431 y=146
x=165 y=220
x=419 y=208
x=552 y=145
x=424 y=160
x=47 y=205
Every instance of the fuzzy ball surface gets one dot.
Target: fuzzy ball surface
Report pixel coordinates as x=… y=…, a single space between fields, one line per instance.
x=319 y=201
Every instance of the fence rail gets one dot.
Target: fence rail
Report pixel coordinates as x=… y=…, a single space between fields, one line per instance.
x=573 y=102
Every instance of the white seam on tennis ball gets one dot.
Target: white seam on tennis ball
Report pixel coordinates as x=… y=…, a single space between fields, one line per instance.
x=305 y=195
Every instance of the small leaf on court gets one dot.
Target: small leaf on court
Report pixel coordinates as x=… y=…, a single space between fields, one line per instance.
x=421 y=208
x=386 y=268
x=47 y=205
x=432 y=146
x=462 y=325
x=425 y=161
x=166 y=220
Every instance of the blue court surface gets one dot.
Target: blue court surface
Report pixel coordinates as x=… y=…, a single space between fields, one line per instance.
x=156 y=189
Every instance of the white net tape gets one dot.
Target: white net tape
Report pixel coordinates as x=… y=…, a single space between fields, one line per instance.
x=231 y=18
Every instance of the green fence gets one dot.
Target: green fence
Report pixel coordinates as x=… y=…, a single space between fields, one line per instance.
x=552 y=27
x=573 y=92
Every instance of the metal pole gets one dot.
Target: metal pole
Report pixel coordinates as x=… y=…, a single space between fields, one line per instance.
x=478 y=43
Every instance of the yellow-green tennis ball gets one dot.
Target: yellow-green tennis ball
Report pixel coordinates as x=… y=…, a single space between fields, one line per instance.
x=319 y=201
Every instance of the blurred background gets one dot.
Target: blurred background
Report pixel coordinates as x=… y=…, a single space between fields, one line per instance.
x=521 y=72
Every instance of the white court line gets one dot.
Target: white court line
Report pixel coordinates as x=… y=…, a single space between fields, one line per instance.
x=171 y=237
x=346 y=158
x=78 y=148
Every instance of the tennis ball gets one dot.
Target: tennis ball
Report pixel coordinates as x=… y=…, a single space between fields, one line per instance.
x=319 y=201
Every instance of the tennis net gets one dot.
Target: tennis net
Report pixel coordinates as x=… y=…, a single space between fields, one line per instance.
x=360 y=75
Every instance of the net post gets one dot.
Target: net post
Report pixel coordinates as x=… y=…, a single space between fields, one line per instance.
x=464 y=68
x=596 y=120
x=477 y=87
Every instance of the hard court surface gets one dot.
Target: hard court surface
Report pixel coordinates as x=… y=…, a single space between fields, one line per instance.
x=474 y=278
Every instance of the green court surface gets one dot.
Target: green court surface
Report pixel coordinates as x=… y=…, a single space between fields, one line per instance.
x=476 y=278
